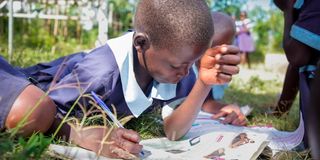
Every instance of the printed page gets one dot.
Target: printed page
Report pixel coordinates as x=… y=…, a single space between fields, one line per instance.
x=279 y=140
x=214 y=145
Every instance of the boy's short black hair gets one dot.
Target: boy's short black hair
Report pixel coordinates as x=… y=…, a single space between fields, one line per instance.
x=173 y=23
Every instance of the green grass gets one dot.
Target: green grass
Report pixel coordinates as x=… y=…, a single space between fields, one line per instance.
x=246 y=89
x=24 y=57
x=262 y=95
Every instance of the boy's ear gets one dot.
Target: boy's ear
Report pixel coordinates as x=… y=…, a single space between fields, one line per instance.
x=141 y=42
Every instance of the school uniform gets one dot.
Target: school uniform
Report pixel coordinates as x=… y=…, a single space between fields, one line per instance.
x=12 y=83
x=306 y=29
x=107 y=70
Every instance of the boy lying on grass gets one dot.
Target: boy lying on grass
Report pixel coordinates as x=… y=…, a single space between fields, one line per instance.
x=143 y=69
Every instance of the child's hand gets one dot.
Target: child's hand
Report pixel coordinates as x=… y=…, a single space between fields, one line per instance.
x=232 y=115
x=120 y=143
x=218 y=64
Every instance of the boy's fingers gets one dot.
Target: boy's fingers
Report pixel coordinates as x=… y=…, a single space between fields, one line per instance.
x=127 y=140
x=237 y=122
x=229 y=49
x=121 y=153
x=241 y=120
x=230 y=117
x=212 y=52
x=224 y=78
x=112 y=150
x=128 y=145
x=223 y=49
x=132 y=136
x=228 y=59
x=244 y=123
x=228 y=69
x=219 y=115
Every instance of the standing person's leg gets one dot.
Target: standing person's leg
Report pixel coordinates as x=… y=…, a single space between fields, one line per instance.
x=313 y=118
x=248 y=59
x=243 y=58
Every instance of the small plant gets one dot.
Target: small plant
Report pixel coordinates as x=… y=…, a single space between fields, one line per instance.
x=17 y=148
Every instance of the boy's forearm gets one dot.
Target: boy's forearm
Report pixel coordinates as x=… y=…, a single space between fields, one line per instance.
x=212 y=106
x=180 y=121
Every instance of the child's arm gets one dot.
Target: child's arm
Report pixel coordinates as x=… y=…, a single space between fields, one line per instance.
x=297 y=53
x=289 y=91
x=231 y=112
x=181 y=119
x=216 y=67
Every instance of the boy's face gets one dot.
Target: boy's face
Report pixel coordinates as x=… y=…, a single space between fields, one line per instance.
x=167 y=66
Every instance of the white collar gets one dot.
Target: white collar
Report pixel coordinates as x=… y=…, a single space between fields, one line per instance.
x=134 y=96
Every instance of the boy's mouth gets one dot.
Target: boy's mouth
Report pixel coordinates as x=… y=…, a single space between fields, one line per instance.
x=176 y=80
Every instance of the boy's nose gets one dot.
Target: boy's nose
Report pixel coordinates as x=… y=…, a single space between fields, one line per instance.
x=183 y=72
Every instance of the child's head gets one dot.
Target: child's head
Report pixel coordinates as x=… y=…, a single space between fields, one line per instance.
x=243 y=15
x=224 y=29
x=171 y=35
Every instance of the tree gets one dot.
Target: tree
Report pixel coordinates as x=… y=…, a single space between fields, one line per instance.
x=122 y=16
x=232 y=7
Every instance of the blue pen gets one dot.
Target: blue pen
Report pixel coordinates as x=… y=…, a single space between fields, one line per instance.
x=106 y=109
x=109 y=113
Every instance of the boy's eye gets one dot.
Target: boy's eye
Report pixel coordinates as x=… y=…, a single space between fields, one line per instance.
x=174 y=67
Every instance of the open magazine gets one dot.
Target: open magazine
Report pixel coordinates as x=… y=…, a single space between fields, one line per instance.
x=279 y=140
x=215 y=145
x=209 y=139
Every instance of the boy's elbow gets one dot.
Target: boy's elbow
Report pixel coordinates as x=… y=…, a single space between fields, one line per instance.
x=39 y=108
x=172 y=132
x=297 y=54
x=172 y=135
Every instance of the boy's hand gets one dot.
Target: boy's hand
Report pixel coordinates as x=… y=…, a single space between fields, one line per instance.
x=232 y=115
x=120 y=143
x=218 y=64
